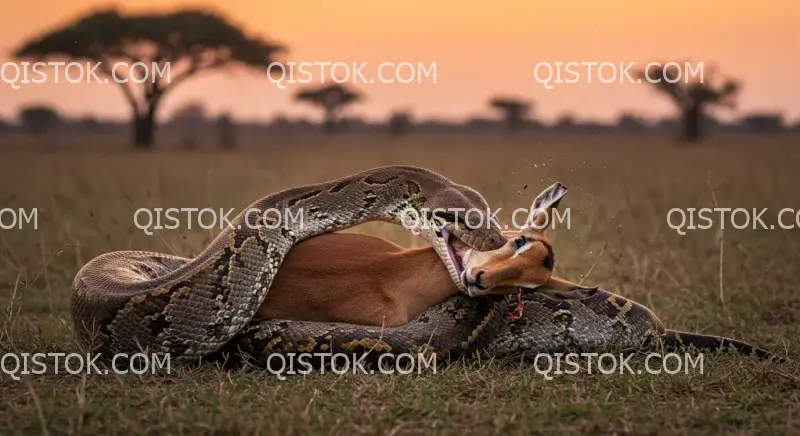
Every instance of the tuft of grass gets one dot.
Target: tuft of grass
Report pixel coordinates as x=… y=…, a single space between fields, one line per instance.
x=734 y=282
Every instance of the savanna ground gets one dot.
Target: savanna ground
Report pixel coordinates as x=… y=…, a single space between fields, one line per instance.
x=620 y=194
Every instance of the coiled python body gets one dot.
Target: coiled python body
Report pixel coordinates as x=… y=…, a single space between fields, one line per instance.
x=604 y=322
x=131 y=301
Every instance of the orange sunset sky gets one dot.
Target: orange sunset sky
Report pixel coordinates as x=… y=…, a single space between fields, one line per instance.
x=480 y=49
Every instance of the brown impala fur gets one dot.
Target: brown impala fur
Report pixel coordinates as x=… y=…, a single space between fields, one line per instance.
x=366 y=280
x=357 y=279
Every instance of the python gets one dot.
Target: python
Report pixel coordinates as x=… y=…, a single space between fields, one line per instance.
x=366 y=280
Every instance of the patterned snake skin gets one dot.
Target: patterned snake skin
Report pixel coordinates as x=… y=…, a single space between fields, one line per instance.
x=604 y=322
x=131 y=301
x=128 y=301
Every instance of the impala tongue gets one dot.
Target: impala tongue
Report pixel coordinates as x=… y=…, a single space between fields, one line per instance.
x=460 y=250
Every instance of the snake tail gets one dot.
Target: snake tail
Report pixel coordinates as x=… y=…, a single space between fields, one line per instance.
x=675 y=340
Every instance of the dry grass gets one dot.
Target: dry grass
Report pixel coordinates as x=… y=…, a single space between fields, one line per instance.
x=619 y=197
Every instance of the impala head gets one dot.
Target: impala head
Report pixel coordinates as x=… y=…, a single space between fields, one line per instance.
x=525 y=261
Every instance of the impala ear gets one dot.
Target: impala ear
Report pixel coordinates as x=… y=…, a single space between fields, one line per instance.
x=559 y=289
x=544 y=204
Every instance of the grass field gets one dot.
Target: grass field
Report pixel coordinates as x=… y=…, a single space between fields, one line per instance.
x=735 y=282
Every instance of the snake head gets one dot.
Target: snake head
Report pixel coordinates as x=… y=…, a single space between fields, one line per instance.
x=459 y=218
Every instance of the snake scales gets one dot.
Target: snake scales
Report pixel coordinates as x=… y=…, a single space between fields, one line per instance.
x=129 y=301
x=604 y=322
x=132 y=301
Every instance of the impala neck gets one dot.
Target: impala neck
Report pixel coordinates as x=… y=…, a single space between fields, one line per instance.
x=422 y=279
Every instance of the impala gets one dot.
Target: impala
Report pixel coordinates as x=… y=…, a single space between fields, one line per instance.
x=367 y=280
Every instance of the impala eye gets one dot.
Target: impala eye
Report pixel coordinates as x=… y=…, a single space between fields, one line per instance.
x=519 y=242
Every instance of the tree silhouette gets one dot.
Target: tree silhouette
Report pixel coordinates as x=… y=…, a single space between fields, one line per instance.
x=38 y=120
x=399 y=123
x=226 y=129
x=631 y=123
x=514 y=111
x=764 y=122
x=192 y=113
x=692 y=97
x=171 y=47
x=565 y=122
x=332 y=99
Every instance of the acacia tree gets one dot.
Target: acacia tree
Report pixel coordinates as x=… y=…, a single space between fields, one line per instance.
x=692 y=96
x=332 y=99
x=172 y=47
x=38 y=119
x=514 y=112
x=399 y=122
x=226 y=129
